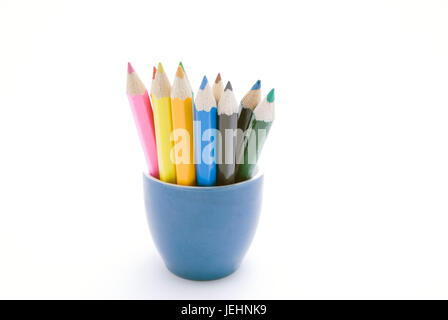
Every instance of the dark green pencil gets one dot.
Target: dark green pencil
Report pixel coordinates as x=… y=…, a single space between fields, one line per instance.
x=247 y=106
x=260 y=125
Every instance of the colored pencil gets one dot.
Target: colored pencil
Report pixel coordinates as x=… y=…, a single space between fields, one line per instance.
x=227 y=124
x=261 y=123
x=154 y=71
x=248 y=104
x=205 y=115
x=160 y=93
x=218 y=88
x=144 y=121
x=182 y=114
x=188 y=80
x=192 y=106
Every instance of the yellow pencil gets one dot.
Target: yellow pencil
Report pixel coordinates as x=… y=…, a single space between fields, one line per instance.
x=160 y=94
x=182 y=113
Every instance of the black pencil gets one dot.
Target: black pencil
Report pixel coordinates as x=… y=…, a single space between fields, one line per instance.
x=227 y=123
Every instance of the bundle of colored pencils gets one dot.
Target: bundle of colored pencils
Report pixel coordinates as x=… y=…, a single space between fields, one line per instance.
x=205 y=141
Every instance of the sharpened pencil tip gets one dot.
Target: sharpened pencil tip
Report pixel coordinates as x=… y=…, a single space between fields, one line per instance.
x=182 y=65
x=218 y=78
x=204 y=82
x=154 y=71
x=160 y=68
x=130 y=68
x=180 y=72
x=257 y=85
x=228 y=86
x=271 y=96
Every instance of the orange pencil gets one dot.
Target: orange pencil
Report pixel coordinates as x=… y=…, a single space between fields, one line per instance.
x=182 y=115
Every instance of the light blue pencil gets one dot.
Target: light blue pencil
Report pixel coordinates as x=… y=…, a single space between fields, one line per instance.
x=205 y=116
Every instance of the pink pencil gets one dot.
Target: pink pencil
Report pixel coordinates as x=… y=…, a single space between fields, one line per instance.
x=144 y=120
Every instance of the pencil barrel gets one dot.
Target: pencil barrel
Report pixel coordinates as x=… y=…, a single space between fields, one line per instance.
x=182 y=114
x=244 y=122
x=144 y=120
x=205 y=146
x=163 y=129
x=226 y=148
x=252 y=149
x=244 y=118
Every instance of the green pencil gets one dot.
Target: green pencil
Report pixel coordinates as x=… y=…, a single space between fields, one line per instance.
x=260 y=125
x=247 y=106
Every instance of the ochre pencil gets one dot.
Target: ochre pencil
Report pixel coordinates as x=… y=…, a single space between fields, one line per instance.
x=218 y=88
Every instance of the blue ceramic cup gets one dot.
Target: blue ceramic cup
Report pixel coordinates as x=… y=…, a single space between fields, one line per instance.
x=202 y=233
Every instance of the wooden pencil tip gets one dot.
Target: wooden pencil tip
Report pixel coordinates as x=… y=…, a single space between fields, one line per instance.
x=218 y=78
x=182 y=65
x=180 y=72
x=271 y=96
x=160 y=68
x=154 y=71
x=257 y=85
x=228 y=86
x=204 y=82
x=130 y=68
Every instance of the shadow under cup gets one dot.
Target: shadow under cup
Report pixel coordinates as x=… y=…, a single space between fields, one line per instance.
x=203 y=233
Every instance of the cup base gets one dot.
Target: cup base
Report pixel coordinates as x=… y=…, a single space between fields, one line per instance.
x=200 y=276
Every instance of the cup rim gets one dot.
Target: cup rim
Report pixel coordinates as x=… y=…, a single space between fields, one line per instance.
x=257 y=176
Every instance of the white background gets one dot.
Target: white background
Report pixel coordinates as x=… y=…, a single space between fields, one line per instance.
x=356 y=164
